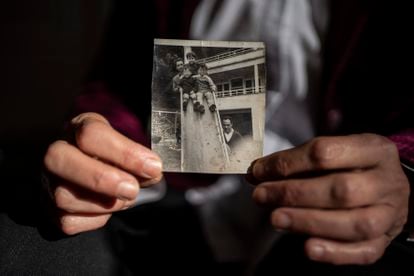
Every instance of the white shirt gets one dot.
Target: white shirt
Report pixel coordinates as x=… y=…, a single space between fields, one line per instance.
x=229 y=135
x=293 y=33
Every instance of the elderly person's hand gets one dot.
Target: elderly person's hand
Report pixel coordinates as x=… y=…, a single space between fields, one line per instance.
x=348 y=193
x=98 y=173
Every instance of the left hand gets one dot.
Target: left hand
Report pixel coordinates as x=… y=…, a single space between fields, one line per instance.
x=348 y=193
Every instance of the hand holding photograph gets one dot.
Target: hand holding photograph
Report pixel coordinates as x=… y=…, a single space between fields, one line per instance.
x=208 y=105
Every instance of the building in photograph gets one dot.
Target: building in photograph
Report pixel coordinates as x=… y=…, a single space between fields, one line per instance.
x=239 y=75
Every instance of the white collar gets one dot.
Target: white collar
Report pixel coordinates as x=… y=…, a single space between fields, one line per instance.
x=229 y=135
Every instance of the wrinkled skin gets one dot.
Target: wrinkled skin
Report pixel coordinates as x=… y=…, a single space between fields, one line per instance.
x=348 y=193
x=98 y=173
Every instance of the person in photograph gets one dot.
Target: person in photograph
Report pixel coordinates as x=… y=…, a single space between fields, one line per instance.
x=205 y=89
x=179 y=68
x=231 y=136
x=192 y=63
x=187 y=84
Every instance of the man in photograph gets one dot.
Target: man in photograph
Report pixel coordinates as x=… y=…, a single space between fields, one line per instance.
x=231 y=136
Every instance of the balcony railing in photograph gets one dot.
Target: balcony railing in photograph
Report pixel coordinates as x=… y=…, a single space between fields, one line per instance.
x=225 y=55
x=239 y=92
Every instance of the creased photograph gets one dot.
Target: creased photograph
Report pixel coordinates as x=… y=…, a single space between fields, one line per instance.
x=208 y=104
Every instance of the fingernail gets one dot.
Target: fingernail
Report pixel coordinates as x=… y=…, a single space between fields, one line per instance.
x=77 y=119
x=316 y=252
x=282 y=220
x=149 y=182
x=126 y=206
x=152 y=168
x=127 y=191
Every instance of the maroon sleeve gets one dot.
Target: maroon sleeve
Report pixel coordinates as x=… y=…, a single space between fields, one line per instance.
x=97 y=98
x=405 y=143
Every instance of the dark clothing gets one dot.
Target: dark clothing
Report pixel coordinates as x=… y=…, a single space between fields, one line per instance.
x=148 y=240
x=234 y=140
x=188 y=84
x=366 y=83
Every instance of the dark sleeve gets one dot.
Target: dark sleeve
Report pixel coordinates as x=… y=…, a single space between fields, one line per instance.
x=237 y=137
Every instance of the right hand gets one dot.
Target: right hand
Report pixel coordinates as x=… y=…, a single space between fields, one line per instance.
x=99 y=173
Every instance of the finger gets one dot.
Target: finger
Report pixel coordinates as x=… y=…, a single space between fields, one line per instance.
x=88 y=115
x=69 y=163
x=342 y=253
x=341 y=190
x=72 y=224
x=79 y=201
x=350 y=225
x=96 y=137
x=323 y=153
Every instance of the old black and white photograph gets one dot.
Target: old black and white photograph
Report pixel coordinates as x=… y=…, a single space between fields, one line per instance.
x=208 y=104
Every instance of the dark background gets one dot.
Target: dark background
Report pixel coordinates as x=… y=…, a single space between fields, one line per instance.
x=46 y=49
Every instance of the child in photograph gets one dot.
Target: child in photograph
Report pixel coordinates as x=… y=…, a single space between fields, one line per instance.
x=205 y=89
x=192 y=64
x=187 y=85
